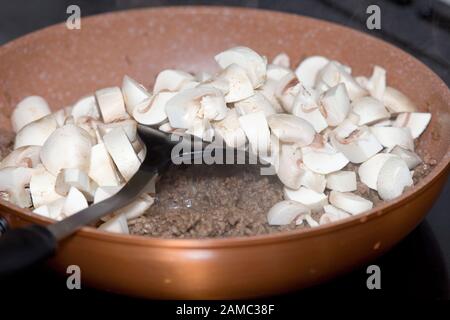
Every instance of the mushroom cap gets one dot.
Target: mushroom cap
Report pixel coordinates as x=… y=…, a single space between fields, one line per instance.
x=35 y=133
x=393 y=178
x=285 y=212
x=133 y=93
x=246 y=58
x=67 y=147
x=290 y=128
x=349 y=202
x=28 y=110
x=308 y=69
x=152 y=111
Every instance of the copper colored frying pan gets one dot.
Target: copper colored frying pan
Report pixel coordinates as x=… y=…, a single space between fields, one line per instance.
x=62 y=65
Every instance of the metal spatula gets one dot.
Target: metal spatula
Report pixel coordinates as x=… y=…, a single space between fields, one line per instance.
x=23 y=247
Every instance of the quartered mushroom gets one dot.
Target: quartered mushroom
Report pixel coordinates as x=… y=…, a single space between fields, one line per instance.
x=128 y=126
x=287 y=90
x=13 y=185
x=28 y=110
x=257 y=102
x=67 y=147
x=306 y=107
x=268 y=91
x=369 y=110
x=390 y=137
x=310 y=198
x=257 y=131
x=28 y=157
x=52 y=210
x=68 y=178
x=323 y=159
x=332 y=214
x=288 y=168
x=42 y=187
x=246 y=58
x=239 y=85
x=349 y=202
x=276 y=73
x=133 y=93
x=393 y=178
x=417 y=122
x=308 y=69
x=343 y=181
x=369 y=170
x=35 y=133
x=74 y=202
x=282 y=60
x=377 y=83
x=173 y=80
x=312 y=180
x=85 y=107
x=117 y=224
x=101 y=167
x=411 y=158
x=291 y=129
x=397 y=102
x=285 y=212
x=336 y=104
x=230 y=130
x=111 y=104
x=152 y=110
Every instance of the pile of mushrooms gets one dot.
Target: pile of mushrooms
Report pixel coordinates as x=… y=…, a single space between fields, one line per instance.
x=308 y=123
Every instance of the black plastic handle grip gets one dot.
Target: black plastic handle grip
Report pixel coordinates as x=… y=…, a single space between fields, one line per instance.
x=23 y=247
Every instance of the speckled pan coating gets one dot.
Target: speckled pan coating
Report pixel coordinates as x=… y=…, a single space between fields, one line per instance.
x=62 y=65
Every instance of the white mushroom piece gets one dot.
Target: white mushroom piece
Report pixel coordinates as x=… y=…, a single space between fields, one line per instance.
x=246 y=58
x=357 y=143
x=343 y=181
x=323 y=159
x=122 y=152
x=67 y=147
x=118 y=224
x=369 y=110
x=86 y=107
x=390 y=137
x=257 y=131
x=111 y=104
x=74 y=202
x=288 y=167
x=68 y=178
x=173 y=80
x=230 y=130
x=13 y=185
x=285 y=212
x=336 y=104
x=411 y=158
x=306 y=107
x=257 y=102
x=396 y=102
x=203 y=102
x=287 y=90
x=282 y=60
x=133 y=93
x=152 y=110
x=417 y=122
x=369 y=170
x=35 y=133
x=349 y=202
x=52 y=210
x=238 y=84
x=268 y=89
x=377 y=83
x=332 y=214
x=290 y=128
x=42 y=187
x=308 y=69
x=393 y=178
x=310 y=198
x=28 y=157
x=102 y=169
x=28 y=110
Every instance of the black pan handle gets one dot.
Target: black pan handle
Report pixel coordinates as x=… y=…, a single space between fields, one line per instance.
x=23 y=247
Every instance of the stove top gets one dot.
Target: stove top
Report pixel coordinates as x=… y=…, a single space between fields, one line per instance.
x=419 y=266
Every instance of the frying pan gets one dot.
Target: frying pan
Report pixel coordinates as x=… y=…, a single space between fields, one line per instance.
x=62 y=65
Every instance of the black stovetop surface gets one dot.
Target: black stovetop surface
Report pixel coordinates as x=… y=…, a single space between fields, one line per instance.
x=418 y=267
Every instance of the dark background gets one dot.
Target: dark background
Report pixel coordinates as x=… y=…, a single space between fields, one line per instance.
x=416 y=268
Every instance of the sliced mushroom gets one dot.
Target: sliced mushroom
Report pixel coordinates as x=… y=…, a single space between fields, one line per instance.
x=336 y=103
x=239 y=86
x=42 y=187
x=133 y=93
x=377 y=83
x=276 y=73
x=343 y=181
x=308 y=69
x=397 y=102
x=101 y=167
x=349 y=202
x=257 y=131
x=323 y=159
x=35 y=133
x=111 y=104
x=369 y=110
x=230 y=130
x=306 y=107
x=28 y=110
x=85 y=107
x=369 y=170
x=332 y=214
x=256 y=102
x=152 y=111
x=312 y=180
x=68 y=178
x=172 y=80
x=289 y=128
x=417 y=122
x=62 y=115
x=52 y=210
x=393 y=178
x=13 y=183
x=128 y=126
x=138 y=207
x=285 y=212
x=359 y=146
x=67 y=147
x=310 y=198
x=105 y=192
x=411 y=158
x=27 y=157
x=121 y=151
x=391 y=136
x=118 y=224
x=75 y=202
x=268 y=91
x=288 y=168
x=287 y=90
x=282 y=60
x=246 y=58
